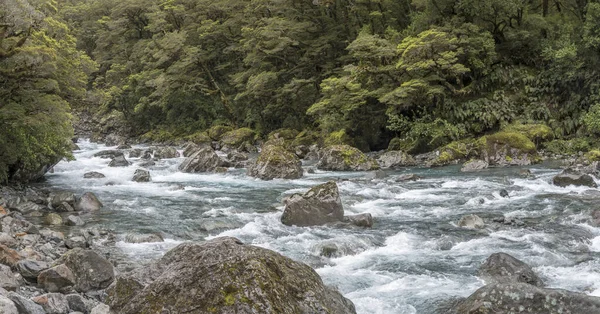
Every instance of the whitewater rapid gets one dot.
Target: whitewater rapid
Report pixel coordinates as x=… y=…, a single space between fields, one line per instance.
x=413 y=260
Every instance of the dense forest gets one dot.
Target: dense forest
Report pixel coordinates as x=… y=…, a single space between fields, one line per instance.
x=360 y=72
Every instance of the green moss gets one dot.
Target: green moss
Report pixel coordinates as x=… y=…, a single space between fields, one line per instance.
x=198 y=138
x=459 y=150
x=593 y=155
x=396 y=144
x=512 y=139
x=217 y=131
x=535 y=132
x=286 y=134
x=306 y=138
x=508 y=158
x=338 y=138
x=159 y=135
x=238 y=137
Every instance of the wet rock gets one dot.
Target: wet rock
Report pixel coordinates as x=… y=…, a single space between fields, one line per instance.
x=474 y=165
x=93 y=175
x=24 y=305
x=124 y=146
x=74 y=221
x=407 y=177
x=525 y=173
x=77 y=303
x=504 y=298
x=320 y=205
x=166 y=152
x=9 y=256
x=57 y=198
x=503 y=268
x=396 y=159
x=91 y=271
x=88 y=202
x=503 y=193
x=56 y=279
x=141 y=175
x=377 y=174
x=76 y=242
x=53 y=303
x=136 y=153
x=147 y=164
x=345 y=158
x=143 y=238
x=109 y=154
x=30 y=269
x=101 y=309
x=360 y=220
x=28 y=208
x=190 y=148
x=8 y=281
x=209 y=225
x=225 y=276
x=471 y=222
x=301 y=151
x=235 y=157
x=276 y=162
x=53 y=219
x=65 y=207
x=571 y=176
x=204 y=160
x=7 y=306
x=119 y=161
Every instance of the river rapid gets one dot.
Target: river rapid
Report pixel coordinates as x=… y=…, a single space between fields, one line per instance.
x=413 y=260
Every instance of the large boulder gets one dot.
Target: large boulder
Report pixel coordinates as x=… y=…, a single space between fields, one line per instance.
x=93 y=175
x=276 y=162
x=7 y=306
x=91 y=271
x=320 y=205
x=474 y=165
x=571 y=176
x=24 y=305
x=56 y=279
x=204 y=160
x=165 y=152
x=501 y=267
x=141 y=175
x=8 y=280
x=31 y=269
x=240 y=139
x=471 y=222
x=345 y=158
x=360 y=220
x=508 y=148
x=59 y=197
x=517 y=297
x=53 y=303
x=88 y=202
x=225 y=276
x=119 y=161
x=109 y=154
x=396 y=159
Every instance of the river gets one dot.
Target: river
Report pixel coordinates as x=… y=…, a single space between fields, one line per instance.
x=412 y=260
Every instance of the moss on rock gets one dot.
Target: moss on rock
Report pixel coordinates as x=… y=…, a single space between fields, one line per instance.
x=217 y=131
x=338 y=138
x=344 y=158
x=535 y=132
x=238 y=137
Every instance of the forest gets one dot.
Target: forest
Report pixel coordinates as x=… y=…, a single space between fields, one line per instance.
x=360 y=72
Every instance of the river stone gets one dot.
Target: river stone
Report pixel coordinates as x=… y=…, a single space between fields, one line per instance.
x=501 y=267
x=276 y=162
x=77 y=303
x=9 y=256
x=377 y=174
x=8 y=280
x=24 y=305
x=88 y=202
x=165 y=152
x=141 y=175
x=147 y=164
x=6 y=239
x=101 y=309
x=53 y=303
x=471 y=222
x=517 y=297
x=64 y=207
x=56 y=279
x=76 y=242
x=73 y=220
x=503 y=193
x=93 y=175
x=396 y=159
x=118 y=161
x=27 y=208
x=407 y=177
x=345 y=158
x=124 y=146
x=474 y=165
x=57 y=198
x=361 y=220
x=53 y=219
x=7 y=306
x=225 y=276
x=92 y=271
x=571 y=176
x=204 y=160
x=143 y=238
x=30 y=269
x=320 y=205
x=136 y=152
x=109 y=154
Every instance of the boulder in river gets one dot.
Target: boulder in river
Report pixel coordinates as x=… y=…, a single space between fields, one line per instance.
x=474 y=165
x=93 y=175
x=396 y=159
x=345 y=158
x=118 y=161
x=165 y=152
x=501 y=267
x=91 y=271
x=143 y=238
x=571 y=176
x=141 y=175
x=225 y=276
x=320 y=205
x=517 y=297
x=360 y=220
x=471 y=222
x=73 y=220
x=88 y=202
x=204 y=160
x=276 y=162
x=53 y=219
x=109 y=154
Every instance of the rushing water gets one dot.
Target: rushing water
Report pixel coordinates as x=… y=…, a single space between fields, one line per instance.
x=413 y=259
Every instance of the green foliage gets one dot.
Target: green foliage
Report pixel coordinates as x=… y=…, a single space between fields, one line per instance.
x=535 y=132
x=238 y=137
x=591 y=120
x=593 y=155
x=338 y=138
x=568 y=147
x=424 y=135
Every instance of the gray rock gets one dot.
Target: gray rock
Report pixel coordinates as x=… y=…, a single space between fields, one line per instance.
x=136 y=152
x=53 y=303
x=225 y=276
x=73 y=220
x=501 y=267
x=30 y=269
x=119 y=161
x=595 y=219
x=165 y=152
x=76 y=242
x=573 y=177
x=377 y=174
x=7 y=306
x=141 y=175
x=101 y=309
x=78 y=303
x=407 y=177
x=109 y=154
x=474 y=165
x=345 y=158
x=143 y=238
x=320 y=205
x=396 y=159
x=471 y=222
x=65 y=207
x=24 y=305
x=88 y=202
x=360 y=220
x=276 y=162
x=56 y=279
x=53 y=219
x=27 y=208
x=147 y=164
x=8 y=281
x=91 y=271
x=113 y=139
x=235 y=157
x=204 y=160
x=93 y=175
x=57 y=198
x=508 y=298
x=6 y=239
x=503 y=193
x=190 y=148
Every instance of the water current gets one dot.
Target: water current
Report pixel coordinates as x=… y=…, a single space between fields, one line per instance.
x=412 y=260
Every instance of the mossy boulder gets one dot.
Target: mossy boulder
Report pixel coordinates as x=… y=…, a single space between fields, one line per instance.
x=275 y=161
x=217 y=131
x=338 y=138
x=345 y=158
x=593 y=155
x=535 y=132
x=203 y=160
x=238 y=139
x=222 y=276
x=286 y=134
x=457 y=151
x=199 y=138
x=509 y=148
x=320 y=205
x=396 y=159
